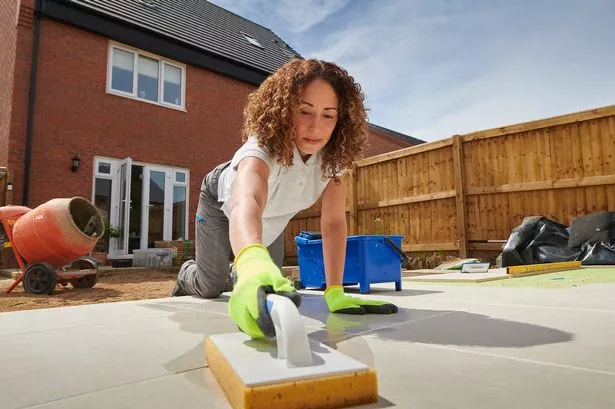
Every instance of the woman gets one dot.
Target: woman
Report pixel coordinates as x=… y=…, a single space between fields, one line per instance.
x=303 y=128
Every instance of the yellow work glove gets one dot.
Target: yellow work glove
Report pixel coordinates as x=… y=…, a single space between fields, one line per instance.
x=338 y=302
x=257 y=276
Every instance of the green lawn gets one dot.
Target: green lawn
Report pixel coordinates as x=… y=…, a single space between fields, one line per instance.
x=557 y=279
x=560 y=279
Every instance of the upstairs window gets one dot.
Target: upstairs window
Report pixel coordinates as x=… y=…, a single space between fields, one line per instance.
x=146 y=77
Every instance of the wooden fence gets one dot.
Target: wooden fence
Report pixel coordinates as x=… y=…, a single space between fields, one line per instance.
x=466 y=193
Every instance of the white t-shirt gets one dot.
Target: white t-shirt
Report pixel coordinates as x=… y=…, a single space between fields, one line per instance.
x=291 y=189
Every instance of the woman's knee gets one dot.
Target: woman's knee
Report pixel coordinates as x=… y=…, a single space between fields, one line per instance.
x=215 y=290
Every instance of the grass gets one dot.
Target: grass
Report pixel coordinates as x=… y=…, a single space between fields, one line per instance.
x=556 y=279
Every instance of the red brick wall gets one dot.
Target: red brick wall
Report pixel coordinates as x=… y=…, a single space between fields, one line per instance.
x=21 y=87
x=75 y=115
x=379 y=143
x=8 y=34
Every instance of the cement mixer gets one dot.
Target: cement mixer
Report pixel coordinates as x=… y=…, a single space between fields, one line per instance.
x=51 y=243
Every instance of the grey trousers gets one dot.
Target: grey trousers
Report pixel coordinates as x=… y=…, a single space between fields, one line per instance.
x=210 y=274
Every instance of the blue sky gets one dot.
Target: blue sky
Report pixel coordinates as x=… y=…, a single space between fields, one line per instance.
x=434 y=68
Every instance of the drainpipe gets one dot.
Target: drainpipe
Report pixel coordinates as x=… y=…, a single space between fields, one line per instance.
x=31 y=100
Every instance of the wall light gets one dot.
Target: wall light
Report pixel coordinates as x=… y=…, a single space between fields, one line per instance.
x=75 y=164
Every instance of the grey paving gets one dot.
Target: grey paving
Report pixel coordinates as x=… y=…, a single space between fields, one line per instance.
x=449 y=346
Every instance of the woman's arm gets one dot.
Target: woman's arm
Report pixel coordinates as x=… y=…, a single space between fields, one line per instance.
x=333 y=229
x=247 y=203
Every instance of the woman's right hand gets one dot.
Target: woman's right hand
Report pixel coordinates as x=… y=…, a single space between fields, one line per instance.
x=257 y=276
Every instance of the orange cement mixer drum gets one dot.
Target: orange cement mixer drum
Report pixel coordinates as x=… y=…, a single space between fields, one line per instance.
x=58 y=231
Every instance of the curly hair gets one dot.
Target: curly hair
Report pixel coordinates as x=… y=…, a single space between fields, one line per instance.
x=268 y=115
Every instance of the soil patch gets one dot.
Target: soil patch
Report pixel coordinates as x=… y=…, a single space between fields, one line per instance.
x=112 y=286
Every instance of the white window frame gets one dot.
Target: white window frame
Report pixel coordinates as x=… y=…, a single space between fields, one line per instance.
x=135 y=72
x=108 y=176
x=185 y=184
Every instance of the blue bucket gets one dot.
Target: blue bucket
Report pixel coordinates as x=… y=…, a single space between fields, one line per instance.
x=369 y=259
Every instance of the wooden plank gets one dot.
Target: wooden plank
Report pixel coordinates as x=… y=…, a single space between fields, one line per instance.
x=459 y=277
x=531 y=160
x=406 y=200
x=542 y=123
x=412 y=150
x=608 y=151
x=577 y=150
x=473 y=217
x=403 y=224
x=538 y=156
x=361 y=184
x=430 y=247
x=547 y=156
x=545 y=184
x=587 y=159
x=608 y=147
x=501 y=201
x=462 y=214
x=556 y=146
x=520 y=271
x=597 y=150
x=423 y=173
x=494 y=163
x=352 y=199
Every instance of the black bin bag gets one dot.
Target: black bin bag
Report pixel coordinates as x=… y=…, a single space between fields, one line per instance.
x=538 y=240
x=598 y=253
x=592 y=228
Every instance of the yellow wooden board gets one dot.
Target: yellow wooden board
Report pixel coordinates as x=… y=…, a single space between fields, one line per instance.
x=533 y=269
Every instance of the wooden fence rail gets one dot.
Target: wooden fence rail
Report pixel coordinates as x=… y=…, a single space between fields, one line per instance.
x=466 y=193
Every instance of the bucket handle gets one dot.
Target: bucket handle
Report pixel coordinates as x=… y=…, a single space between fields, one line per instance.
x=404 y=256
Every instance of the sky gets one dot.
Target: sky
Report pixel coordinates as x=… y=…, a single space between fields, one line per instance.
x=434 y=68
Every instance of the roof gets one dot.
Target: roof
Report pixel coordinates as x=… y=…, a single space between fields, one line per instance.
x=397 y=135
x=200 y=24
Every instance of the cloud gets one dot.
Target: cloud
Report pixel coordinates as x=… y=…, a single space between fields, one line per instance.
x=433 y=69
x=292 y=15
x=303 y=15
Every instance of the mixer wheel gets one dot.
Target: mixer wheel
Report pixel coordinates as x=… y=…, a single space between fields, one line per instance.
x=40 y=278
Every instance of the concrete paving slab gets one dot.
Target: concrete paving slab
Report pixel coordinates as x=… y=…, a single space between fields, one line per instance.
x=433 y=376
x=449 y=346
x=190 y=389
x=580 y=339
x=592 y=297
x=493 y=274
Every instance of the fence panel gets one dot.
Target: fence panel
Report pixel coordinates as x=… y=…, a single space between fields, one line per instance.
x=465 y=192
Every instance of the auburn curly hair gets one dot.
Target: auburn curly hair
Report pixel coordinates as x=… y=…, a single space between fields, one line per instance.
x=268 y=115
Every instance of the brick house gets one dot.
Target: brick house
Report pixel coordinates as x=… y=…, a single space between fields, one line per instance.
x=144 y=97
x=382 y=140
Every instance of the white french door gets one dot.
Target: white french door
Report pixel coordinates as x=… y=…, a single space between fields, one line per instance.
x=157 y=205
x=147 y=202
x=124 y=177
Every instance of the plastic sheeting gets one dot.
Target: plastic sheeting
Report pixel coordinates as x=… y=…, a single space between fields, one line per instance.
x=598 y=253
x=540 y=240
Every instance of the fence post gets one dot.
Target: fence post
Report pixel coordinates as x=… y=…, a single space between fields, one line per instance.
x=460 y=195
x=352 y=198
